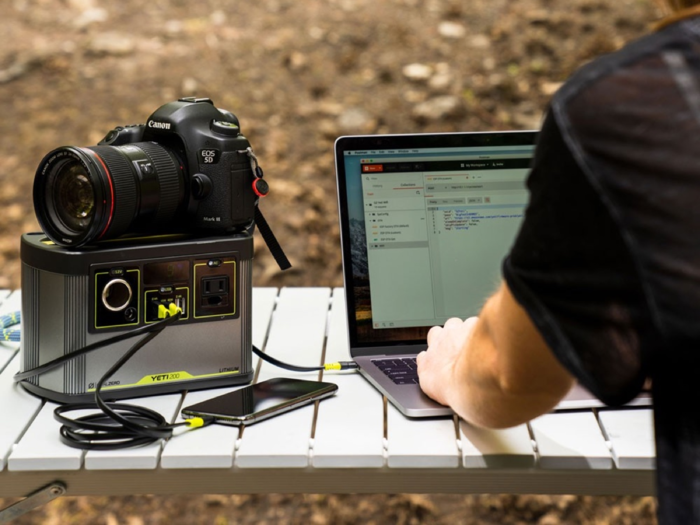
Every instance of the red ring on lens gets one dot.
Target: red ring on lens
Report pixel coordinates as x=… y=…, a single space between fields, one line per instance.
x=111 y=190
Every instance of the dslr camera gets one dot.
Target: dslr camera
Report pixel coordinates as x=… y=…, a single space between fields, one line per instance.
x=157 y=218
x=188 y=169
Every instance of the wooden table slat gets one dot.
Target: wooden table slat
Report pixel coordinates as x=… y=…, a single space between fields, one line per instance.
x=18 y=409
x=337 y=347
x=421 y=443
x=209 y=447
x=298 y=329
x=570 y=441
x=631 y=435
x=297 y=335
x=486 y=448
x=143 y=457
x=350 y=426
x=263 y=304
x=40 y=447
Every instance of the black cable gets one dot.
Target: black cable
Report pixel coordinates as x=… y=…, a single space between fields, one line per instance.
x=21 y=376
x=121 y=425
x=280 y=364
x=118 y=425
x=339 y=365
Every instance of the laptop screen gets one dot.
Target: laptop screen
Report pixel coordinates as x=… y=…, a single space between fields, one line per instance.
x=426 y=221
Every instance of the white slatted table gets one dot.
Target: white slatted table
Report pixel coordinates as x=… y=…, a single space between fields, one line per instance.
x=351 y=443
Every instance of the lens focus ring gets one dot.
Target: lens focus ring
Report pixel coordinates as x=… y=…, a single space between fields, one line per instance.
x=125 y=193
x=171 y=183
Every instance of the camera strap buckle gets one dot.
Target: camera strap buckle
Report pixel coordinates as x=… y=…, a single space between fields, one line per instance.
x=261 y=189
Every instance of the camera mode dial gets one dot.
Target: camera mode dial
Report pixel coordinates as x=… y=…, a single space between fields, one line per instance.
x=226 y=128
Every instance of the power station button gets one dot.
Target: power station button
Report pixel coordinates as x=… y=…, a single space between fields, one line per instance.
x=214 y=263
x=130 y=314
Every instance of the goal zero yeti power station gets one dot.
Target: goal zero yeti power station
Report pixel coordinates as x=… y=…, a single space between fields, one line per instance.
x=74 y=298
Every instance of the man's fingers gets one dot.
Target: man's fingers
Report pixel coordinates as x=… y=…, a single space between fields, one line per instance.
x=453 y=322
x=433 y=333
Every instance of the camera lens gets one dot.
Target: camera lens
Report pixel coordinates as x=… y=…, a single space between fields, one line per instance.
x=74 y=196
x=84 y=195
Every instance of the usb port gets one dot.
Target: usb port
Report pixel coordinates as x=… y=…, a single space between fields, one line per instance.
x=180 y=303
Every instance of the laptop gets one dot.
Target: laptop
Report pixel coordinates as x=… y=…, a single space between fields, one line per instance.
x=425 y=223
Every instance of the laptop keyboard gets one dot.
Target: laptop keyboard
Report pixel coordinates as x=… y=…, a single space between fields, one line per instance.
x=401 y=370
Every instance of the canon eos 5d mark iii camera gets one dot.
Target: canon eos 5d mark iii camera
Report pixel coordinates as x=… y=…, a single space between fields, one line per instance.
x=188 y=169
x=153 y=223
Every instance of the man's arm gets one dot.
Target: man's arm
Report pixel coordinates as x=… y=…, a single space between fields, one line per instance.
x=495 y=370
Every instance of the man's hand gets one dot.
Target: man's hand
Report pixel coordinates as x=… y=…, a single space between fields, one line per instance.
x=495 y=370
x=437 y=366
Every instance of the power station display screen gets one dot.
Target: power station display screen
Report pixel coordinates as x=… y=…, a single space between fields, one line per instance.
x=155 y=274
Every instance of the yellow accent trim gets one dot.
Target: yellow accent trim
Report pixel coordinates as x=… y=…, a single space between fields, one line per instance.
x=164 y=378
x=149 y=237
x=332 y=366
x=233 y=295
x=187 y=304
x=167 y=378
x=138 y=302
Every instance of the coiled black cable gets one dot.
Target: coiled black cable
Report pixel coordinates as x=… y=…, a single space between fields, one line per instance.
x=121 y=425
x=116 y=425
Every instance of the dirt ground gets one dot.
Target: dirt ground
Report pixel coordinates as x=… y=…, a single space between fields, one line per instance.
x=297 y=73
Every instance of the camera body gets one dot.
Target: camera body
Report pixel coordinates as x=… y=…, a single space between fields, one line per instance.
x=74 y=298
x=188 y=169
x=209 y=141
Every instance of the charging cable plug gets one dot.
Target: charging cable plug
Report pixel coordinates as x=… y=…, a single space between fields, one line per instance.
x=341 y=365
x=169 y=311
x=198 y=422
x=173 y=309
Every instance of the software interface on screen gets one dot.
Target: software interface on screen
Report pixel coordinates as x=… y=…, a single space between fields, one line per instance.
x=437 y=224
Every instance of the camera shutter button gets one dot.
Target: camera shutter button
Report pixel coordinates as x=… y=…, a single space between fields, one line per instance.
x=200 y=186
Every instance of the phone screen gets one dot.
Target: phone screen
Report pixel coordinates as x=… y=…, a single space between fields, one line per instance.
x=261 y=400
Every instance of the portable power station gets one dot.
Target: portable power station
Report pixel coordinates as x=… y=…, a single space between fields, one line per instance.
x=77 y=297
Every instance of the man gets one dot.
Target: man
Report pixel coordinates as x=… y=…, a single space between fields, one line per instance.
x=603 y=281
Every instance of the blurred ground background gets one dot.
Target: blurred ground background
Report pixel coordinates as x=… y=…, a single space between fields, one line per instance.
x=298 y=73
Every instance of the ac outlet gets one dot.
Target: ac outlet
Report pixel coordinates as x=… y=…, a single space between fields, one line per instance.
x=215 y=285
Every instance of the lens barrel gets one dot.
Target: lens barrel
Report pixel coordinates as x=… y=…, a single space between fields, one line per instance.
x=84 y=195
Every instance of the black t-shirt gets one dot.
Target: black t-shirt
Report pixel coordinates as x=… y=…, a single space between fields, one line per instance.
x=607 y=263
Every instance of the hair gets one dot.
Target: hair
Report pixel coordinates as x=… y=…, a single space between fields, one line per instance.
x=678 y=10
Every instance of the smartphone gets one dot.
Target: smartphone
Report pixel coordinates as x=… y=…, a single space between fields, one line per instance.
x=261 y=401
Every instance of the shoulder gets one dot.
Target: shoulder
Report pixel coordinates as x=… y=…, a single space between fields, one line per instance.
x=615 y=107
x=616 y=65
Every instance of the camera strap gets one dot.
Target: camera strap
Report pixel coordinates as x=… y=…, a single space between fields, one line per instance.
x=271 y=240
x=260 y=188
